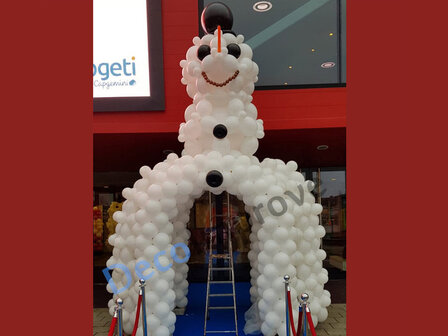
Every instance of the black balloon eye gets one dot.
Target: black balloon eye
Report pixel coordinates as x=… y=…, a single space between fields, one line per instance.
x=234 y=50
x=203 y=51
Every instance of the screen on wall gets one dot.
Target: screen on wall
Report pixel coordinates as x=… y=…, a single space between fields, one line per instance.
x=127 y=55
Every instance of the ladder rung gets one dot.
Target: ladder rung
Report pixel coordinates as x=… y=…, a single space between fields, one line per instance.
x=221 y=268
x=220 y=331
x=220 y=282
x=222 y=307
x=213 y=216
x=221 y=294
x=220 y=256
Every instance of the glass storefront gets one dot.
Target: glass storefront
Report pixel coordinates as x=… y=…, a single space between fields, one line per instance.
x=106 y=200
x=330 y=191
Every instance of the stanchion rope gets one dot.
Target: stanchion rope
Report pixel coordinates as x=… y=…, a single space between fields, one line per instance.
x=137 y=316
x=299 y=322
x=112 y=326
x=310 y=321
x=291 y=316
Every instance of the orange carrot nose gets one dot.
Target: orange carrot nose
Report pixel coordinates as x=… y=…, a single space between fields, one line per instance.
x=219 y=38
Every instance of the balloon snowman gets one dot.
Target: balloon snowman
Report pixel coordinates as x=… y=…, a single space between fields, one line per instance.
x=221 y=133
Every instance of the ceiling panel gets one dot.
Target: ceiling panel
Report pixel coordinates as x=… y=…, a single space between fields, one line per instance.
x=293 y=39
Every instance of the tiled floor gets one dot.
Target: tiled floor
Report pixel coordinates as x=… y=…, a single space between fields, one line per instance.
x=335 y=323
x=333 y=326
x=101 y=321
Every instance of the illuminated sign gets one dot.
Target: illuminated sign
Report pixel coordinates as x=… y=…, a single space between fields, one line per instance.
x=127 y=70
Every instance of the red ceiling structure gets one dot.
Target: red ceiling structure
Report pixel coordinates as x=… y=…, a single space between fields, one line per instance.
x=129 y=151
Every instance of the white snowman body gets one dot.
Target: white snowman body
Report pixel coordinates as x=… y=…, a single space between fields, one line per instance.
x=229 y=105
x=286 y=234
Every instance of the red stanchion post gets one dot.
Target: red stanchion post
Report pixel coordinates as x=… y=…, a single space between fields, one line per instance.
x=299 y=322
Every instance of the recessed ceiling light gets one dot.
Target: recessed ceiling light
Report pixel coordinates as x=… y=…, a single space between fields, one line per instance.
x=313 y=50
x=327 y=65
x=322 y=147
x=285 y=83
x=262 y=6
x=290 y=67
x=331 y=34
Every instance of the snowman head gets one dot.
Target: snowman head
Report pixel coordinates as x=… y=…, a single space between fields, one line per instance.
x=219 y=63
x=220 y=76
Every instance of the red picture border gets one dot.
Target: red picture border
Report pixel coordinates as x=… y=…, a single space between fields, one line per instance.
x=47 y=168
x=396 y=96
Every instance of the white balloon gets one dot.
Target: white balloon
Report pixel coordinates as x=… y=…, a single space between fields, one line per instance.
x=249 y=145
x=149 y=230
x=161 y=287
x=204 y=107
x=161 y=240
x=155 y=190
x=248 y=126
x=271 y=247
x=185 y=187
x=266 y=330
x=270 y=271
x=151 y=299
x=281 y=259
x=280 y=235
x=273 y=320
x=162 y=331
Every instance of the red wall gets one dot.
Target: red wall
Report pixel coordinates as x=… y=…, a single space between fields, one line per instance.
x=280 y=109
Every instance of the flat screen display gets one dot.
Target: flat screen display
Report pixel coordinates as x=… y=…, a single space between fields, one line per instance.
x=124 y=58
x=120 y=53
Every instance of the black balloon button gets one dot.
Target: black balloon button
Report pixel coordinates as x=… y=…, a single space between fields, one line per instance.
x=234 y=50
x=214 y=178
x=220 y=131
x=203 y=50
x=216 y=14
